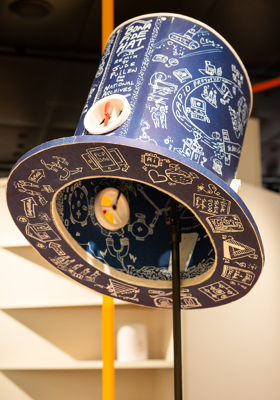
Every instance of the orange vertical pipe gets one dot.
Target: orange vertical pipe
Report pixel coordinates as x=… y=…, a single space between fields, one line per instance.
x=108 y=371
x=107 y=20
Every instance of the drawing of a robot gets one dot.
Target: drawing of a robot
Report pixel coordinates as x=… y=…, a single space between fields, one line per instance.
x=198 y=110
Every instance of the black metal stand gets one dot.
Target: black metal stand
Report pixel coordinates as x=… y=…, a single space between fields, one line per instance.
x=175 y=238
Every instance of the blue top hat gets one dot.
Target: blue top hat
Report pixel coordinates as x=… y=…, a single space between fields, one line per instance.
x=165 y=118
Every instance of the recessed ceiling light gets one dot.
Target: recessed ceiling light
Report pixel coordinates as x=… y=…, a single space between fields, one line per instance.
x=31 y=9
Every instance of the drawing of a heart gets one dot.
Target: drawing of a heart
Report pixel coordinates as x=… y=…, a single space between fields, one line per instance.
x=156 y=177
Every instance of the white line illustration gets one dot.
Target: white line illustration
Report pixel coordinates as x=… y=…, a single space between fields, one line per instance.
x=92 y=277
x=175 y=174
x=211 y=204
x=158 y=114
x=225 y=223
x=41 y=245
x=57 y=248
x=182 y=74
x=106 y=53
x=36 y=175
x=78 y=204
x=55 y=165
x=152 y=160
x=105 y=159
x=62 y=262
x=42 y=200
x=47 y=188
x=160 y=58
x=197 y=110
x=238 y=275
x=225 y=92
x=217 y=166
x=188 y=301
x=240 y=117
x=237 y=76
x=160 y=85
x=41 y=231
x=119 y=289
x=139 y=228
x=161 y=299
x=134 y=36
x=69 y=172
x=27 y=187
x=172 y=62
x=156 y=177
x=118 y=253
x=81 y=274
x=144 y=137
x=199 y=269
x=29 y=207
x=163 y=302
x=211 y=69
x=44 y=216
x=192 y=149
x=193 y=109
x=210 y=95
x=219 y=291
x=234 y=250
x=22 y=219
x=187 y=39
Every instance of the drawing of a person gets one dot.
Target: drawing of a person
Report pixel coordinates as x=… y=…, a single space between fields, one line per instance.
x=155 y=118
x=162 y=117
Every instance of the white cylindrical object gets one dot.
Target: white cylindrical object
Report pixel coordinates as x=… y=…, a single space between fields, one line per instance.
x=111 y=209
x=132 y=343
x=120 y=110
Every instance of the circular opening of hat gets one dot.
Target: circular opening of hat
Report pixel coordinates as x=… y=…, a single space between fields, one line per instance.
x=140 y=251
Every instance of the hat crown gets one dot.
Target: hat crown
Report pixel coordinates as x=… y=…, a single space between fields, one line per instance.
x=172 y=81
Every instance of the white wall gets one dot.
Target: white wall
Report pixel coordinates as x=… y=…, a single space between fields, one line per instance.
x=249 y=167
x=233 y=352
x=229 y=353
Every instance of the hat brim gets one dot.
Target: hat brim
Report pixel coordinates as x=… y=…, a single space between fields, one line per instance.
x=41 y=173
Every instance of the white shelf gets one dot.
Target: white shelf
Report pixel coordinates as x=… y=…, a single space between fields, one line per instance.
x=29 y=271
x=75 y=365
x=7 y=243
x=49 y=304
x=88 y=365
x=147 y=364
x=57 y=304
x=53 y=326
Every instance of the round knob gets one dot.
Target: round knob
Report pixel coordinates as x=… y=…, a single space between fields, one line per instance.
x=107 y=114
x=111 y=209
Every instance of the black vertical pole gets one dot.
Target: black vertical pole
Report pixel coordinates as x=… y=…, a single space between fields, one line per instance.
x=175 y=238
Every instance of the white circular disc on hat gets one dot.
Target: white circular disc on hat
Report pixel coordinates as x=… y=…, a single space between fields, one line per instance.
x=111 y=209
x=117 y=109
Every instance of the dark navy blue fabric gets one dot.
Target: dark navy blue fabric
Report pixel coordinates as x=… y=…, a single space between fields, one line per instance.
x=187 y=90
x=190 y=102
x=145 y=252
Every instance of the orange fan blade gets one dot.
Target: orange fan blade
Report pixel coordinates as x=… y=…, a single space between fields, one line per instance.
x=107 y=111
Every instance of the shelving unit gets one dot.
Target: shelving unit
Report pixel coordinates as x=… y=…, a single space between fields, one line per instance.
x=50 y=338
x=88 y=365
